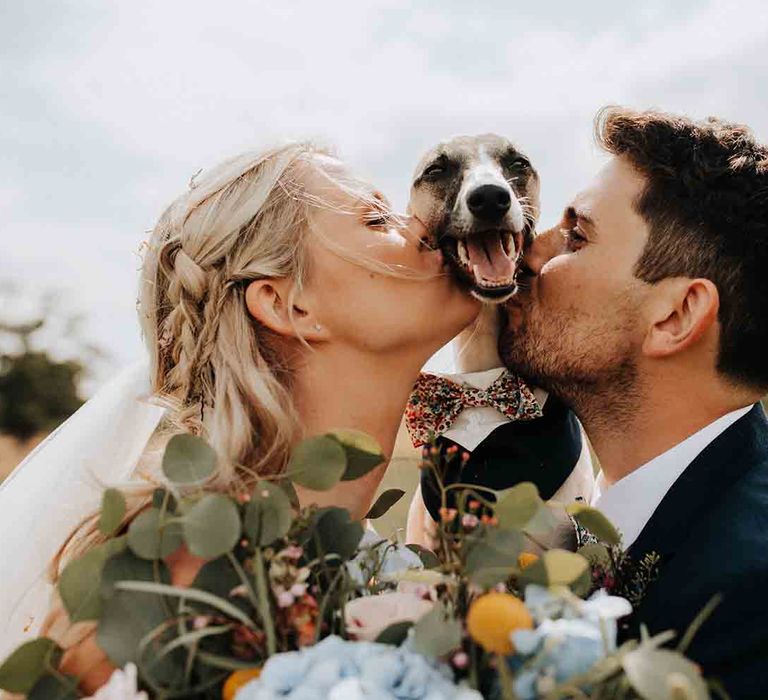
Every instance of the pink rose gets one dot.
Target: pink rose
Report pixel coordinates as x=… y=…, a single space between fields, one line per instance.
x=368 y=617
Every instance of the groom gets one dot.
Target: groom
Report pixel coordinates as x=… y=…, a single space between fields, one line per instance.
x=646 y=310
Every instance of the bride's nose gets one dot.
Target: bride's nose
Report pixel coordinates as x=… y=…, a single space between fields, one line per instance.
x=544 y=247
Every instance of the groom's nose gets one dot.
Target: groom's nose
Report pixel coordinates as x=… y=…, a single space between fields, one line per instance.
x=544 y=247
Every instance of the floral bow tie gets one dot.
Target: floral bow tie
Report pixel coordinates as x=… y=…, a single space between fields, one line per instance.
x=436 y=402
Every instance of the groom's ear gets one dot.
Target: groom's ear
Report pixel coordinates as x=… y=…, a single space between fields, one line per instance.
x=276 y=305
x=683 y=312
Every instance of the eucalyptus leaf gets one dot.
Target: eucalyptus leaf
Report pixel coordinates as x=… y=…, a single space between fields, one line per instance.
x=219 y=578
x=127 y=616
x=362 y=450
x=79 y=585
x=126 y=566
x=595 y=554
x=594 y=521
x=317 y=463
x=490 y=576
x=516 y=506
x=564 y=568
x=334 y=532
x=188 y=459
x=395 y=634
x=384 y=502
x=436 y=634
x=112 y=511
x=494 y=549
x=650 y=671
x=268 y=515
x=148 y=539
x=27 y=664
x=212 y=526
x=55 y=687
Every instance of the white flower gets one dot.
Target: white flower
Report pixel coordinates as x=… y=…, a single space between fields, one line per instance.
x=121 y=686
x=368 y=617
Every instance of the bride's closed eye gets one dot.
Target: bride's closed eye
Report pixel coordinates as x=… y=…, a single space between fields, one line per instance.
x=377 y=214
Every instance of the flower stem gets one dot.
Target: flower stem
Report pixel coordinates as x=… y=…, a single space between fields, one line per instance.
x=505 y=677
x=265 y=609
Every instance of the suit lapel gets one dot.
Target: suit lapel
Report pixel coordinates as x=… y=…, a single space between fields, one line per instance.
x=718 y=466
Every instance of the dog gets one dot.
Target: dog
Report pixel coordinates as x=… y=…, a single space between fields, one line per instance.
x=478 y=197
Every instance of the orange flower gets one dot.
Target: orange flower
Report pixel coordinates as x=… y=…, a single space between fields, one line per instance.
x=237 y=680
x=526 y=559
x=493 y=617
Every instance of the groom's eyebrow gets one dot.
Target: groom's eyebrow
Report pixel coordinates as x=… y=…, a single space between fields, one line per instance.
x=577 y=215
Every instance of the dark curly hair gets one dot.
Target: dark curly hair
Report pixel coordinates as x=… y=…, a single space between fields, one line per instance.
x=706 y=205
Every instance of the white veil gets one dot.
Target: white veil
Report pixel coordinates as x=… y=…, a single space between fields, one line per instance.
x=59 y=484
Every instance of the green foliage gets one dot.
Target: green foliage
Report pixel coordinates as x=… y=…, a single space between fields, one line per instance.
x=80 y=582
x=112 y=511
x=362 y=451
x=492 y=556
x=594 y=521
x=27 y=664
x=36 y=393
x=516 y=506
x=557 y=567
x=188 y=459
x=268 y=515
x=261 y=548
x=384 y=502
x=318 y=463
x=149 y=537
x=333 y=532
x=437 y=633
x=212 y=526
x=54 y=687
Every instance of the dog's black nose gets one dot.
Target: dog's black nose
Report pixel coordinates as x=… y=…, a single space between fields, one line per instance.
x=489 y=202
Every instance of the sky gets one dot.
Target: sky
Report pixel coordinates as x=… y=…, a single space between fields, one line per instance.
x=108 y=108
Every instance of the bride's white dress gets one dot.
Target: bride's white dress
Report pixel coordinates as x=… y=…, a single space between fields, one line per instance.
x=59 y=484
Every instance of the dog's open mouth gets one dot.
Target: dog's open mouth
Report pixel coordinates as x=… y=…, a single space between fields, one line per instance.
x=487 y=260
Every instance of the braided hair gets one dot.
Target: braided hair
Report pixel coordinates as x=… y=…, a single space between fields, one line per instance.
x=215 y=366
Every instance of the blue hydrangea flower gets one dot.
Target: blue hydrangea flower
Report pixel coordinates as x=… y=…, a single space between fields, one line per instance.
x=343 y=670
x=562 y=648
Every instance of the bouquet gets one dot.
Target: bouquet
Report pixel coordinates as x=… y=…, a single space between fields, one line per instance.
x=305 y=603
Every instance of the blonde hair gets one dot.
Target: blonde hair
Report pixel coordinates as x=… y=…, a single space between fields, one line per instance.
x=216 y=366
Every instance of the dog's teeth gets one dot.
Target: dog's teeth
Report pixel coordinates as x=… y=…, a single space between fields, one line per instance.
x=507 y=242
x=461 y=247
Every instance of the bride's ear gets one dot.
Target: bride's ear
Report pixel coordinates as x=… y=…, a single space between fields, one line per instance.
x=269 y=302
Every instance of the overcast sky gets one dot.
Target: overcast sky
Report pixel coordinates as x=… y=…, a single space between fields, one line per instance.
x=108 y=108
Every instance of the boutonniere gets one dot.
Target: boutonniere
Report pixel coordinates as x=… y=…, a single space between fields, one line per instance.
x=613 y=568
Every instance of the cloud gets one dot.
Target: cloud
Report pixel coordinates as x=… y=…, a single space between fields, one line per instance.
x=111 y=107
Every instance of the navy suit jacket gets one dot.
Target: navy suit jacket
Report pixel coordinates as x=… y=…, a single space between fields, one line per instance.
x=711 y=531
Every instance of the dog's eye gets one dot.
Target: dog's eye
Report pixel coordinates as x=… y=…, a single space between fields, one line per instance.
x=435 y=170
x=516 y=162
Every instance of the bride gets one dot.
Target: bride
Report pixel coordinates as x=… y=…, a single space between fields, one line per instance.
x=280 y=297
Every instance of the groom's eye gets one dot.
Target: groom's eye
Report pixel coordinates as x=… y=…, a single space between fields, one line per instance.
x=574 y=240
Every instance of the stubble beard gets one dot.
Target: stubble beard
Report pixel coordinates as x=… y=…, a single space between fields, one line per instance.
x=590 y=363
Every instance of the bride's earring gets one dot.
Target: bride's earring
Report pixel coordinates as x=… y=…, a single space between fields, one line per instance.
x=317 y=327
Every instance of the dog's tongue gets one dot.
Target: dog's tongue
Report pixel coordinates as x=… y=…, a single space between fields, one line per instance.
x=488 y=259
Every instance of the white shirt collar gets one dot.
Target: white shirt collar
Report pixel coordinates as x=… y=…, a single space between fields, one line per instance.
x=473 y=425
x=631 y=501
